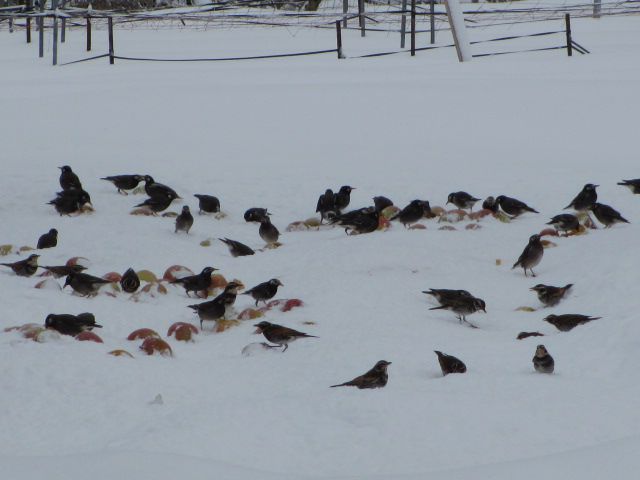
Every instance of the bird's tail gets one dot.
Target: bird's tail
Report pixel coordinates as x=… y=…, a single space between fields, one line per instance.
x=193 y=307
x=345 y=384
x=568 y=286
x=441 y=307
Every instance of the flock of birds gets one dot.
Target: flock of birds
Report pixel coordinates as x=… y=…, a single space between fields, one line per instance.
x=331 y=206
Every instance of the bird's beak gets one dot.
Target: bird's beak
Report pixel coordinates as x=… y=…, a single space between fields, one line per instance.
x=533 y=289
x=60 y=168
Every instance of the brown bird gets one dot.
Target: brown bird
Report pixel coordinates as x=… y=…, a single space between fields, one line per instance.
x=550 y=296
x=462 y=306
x=280 y=335
x=523 y=335
x=377 y=377
x=267 y=231
x=24 y=268
x=568 y=321
x=450 y=364
x=542 y=361
x=531 y=255
x=59 y=271
x=184 y=221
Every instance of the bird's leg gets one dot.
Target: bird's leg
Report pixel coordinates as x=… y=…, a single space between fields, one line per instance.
x=286 y=345
x=256 y=303
x=532 y=274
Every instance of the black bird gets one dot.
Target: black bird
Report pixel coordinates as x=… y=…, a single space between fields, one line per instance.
x=362 y=220
x=633 y=185
x=490 y=204
x=236 y=248
x=24 y=268
x=264 y=291
x=565 y=222
x=450 y=364
x=531 y=255
x=607 y=215
x=462 y=306
x=184 y=221
x=462 y=200
x=377 y=377
x=585 y=198
x=446 y=295
x=326 y=205
x=68 y=324
x=130 y=282
x=412 y=212
x=513 y=206
x=280 y=335
x=208 y=203
x=155 y=189
x=48 y=240
x=568 y=321
x=215 y=309
x=549 y=295
x=255 y=214
x=343 y=197
x=124 y=182
x=542 y=361
x=196 y=283
x=84 y=284
x=267 y=231
x=381 y=203
x=229 y=294
x=70 y=201
x=68 y=179
x=59 y=271
x=157 y=203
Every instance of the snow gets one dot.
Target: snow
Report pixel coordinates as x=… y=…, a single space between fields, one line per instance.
x=276 y=134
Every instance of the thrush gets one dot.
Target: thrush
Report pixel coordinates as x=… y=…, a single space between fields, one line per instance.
x=607 y=215
x=155 y=189
x=490 y=204
x=343 y=197
x=381 y=203
x=267 y=231
x=68 y=179
x=450 y=364
x=513 y=206
x=412 y=212
x=216 y=308
x=280 y=335
x=130 y=282
x=542 y=361
x=59 y=271
x=24 y=268
x=585 y=198
x=207 y=203
x=550 y=296
x=568 y=321
x=255 y=214
x=68 y=324
x=84 y=284
x=70 y=201
x=377 y=377
x=236 y=248
x=124 y=182
x=264 y=291
x=326 y=205
x=462 y=306
x=157 y=203
x=184 y=221
x=446 y=295
x=633 y=185
x=531 y=255
x=363 y=220
x=462 y=200
x=196 y=283
x=565 y=222
x=48 y=240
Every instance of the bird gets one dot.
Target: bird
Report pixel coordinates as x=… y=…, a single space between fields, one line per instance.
x=585 y=198
x=124 y=182
x=68 y=324
x=490 y=204
x=462 y=200
x=184 y=221
x=48 y=240
x=607 y=215
x=215 y=309
x=381 y=203
x=154 y=188
x=157 y=203
x=207 y=203
x=542 y=361
x=633 y=185
x=267 y=231
x=531 y=255
x=84 y=284
x=255 y=214
x=70 y=201
x=279 y=334
x=343 y=197
x=68 y=179
x=196 y=283
x=326 y=205
x=59 y=271
x=26 y=267
x=462 y=306
x=450 y=364
x=229 y=294
x=377 y=377
x=412 y=212
x=130 y=282
x=363 y=220
x=236 y=248
x=549 y=295
x=446 y=295
x=565 y=222
x=568 y=321
x=264 y=291
x=513 y=206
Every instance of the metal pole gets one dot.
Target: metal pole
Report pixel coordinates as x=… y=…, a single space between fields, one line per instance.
x=10 y=24
x=567 y=21
x=63 y=33
x=111 y=59
x=403 y=23
x=432 y=21
x=339 y=39
x=55 y=38
x=413 y=28
x=28 y=29
x=41 y=31
x=361 y=17
x=88 y=33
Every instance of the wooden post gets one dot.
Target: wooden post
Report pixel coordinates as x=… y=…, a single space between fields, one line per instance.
x=361 y=17
x=413 y=28
x=55 y=38
x=403 y=23
x=432 y=21
x=40 y=37
x=339 y=39
x=345 y=11
x=28 y=29
x=10 y=24
x=458 y=30
x=88 y=33
x=111 y=55
x=63 y=33
x=597 y=8
x=567 y=21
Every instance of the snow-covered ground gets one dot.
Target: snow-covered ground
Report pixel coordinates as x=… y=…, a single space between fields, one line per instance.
x=276 y=134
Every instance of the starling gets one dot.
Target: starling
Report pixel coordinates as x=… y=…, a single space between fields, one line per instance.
x=59 y=271
x=130 y=282
x=326 y=205
x=462 y=306
x=208 y=203
x=445 y=295
x=48 y=240
x=184 y=221
x=450 y=364
x=84 y=284
x=67 y=324
x=542 y=361
x=363 y=220
x=196 y=283
x=264 y=291
x=565 y=222
x=412 y=212
x=70 y=201
x=24 y=268
x=255 y=214
x=216 y=308
x=569 y=321
x=280 y=335
x=513 y=206
x=381 y=203
x=377 y=377
x=490 y=204
x=124 y=182
x=236 y=248
x=462 y=200
x=229 y=294
x=68 y=179
x=268 y=232
x=155 y=189
x=157 y=203
x=633 y=185
x=550 y=296
x=607 y=215
x=343 y=197
x=531 y=255
x=585 y=198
